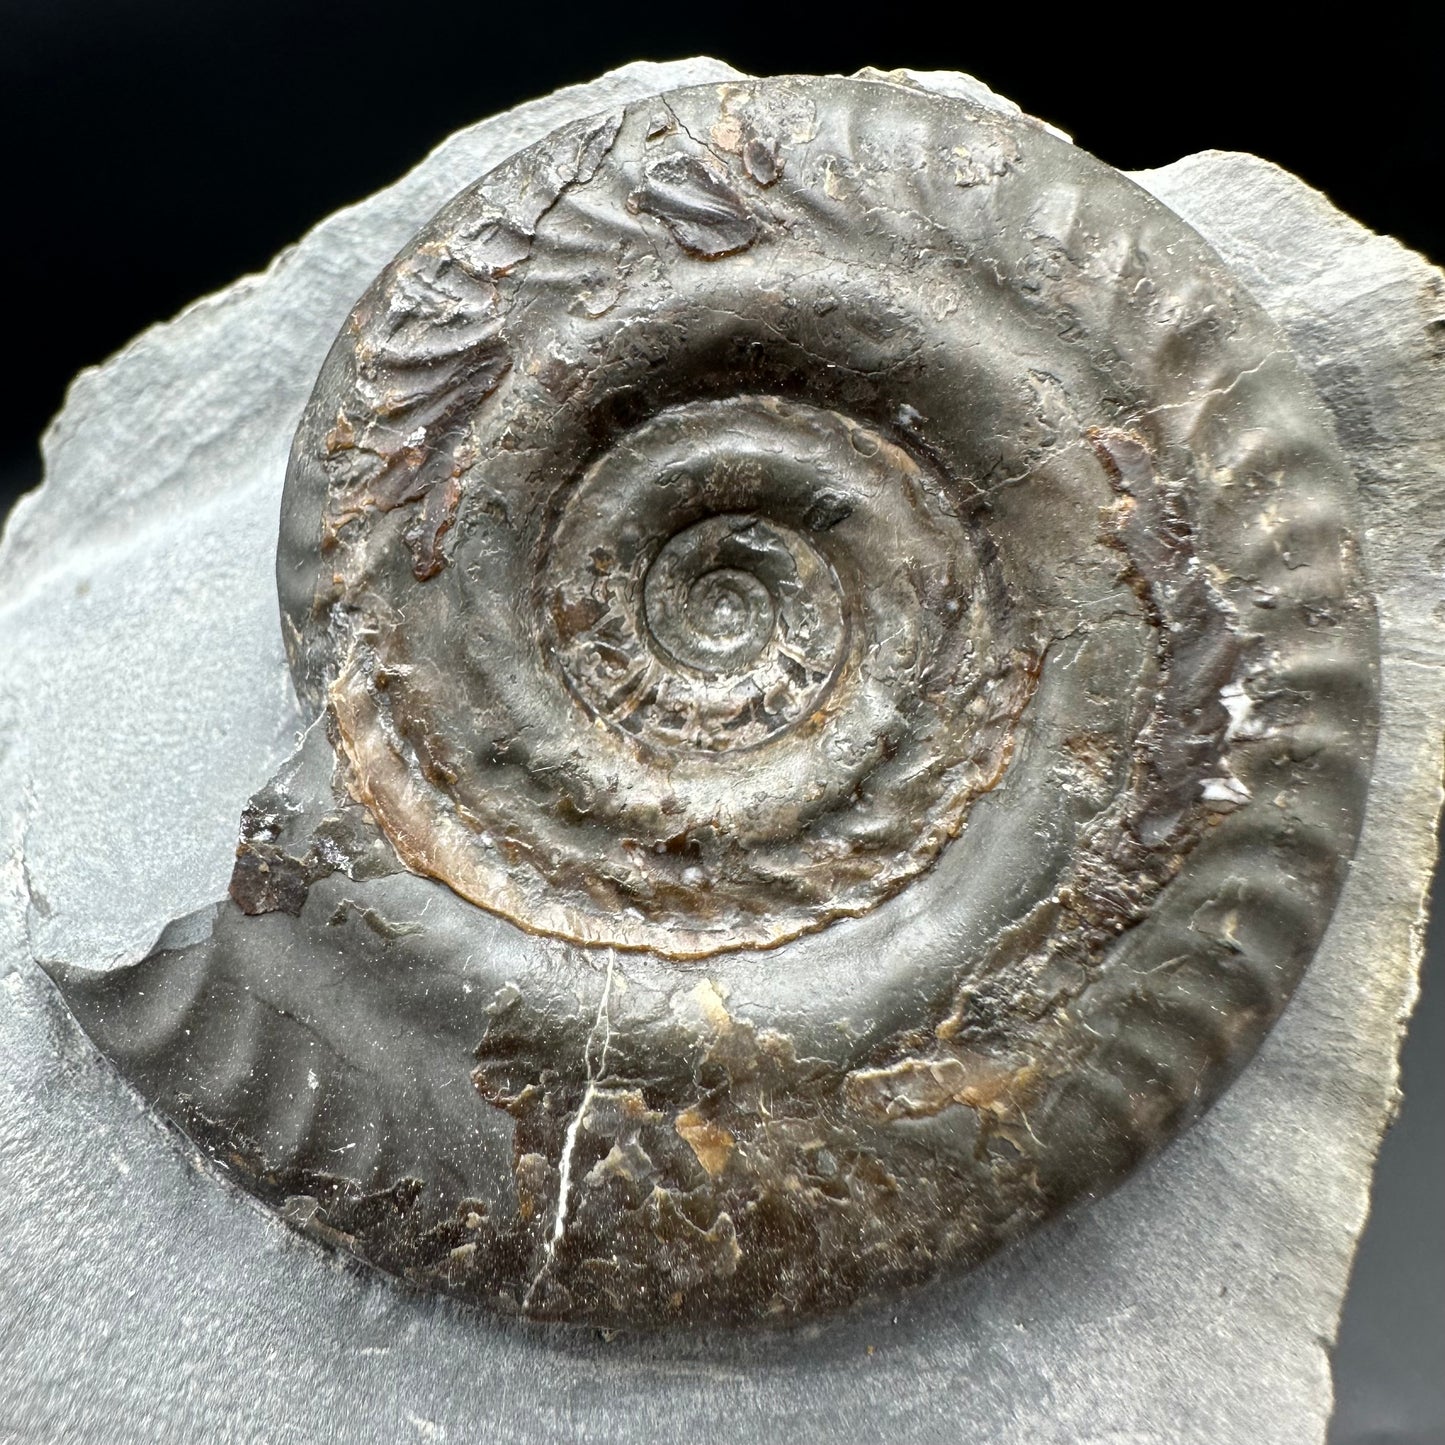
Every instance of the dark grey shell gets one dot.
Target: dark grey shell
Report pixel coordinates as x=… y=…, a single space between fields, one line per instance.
x=845 y=699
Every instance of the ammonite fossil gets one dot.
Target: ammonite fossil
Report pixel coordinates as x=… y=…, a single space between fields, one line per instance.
x=844 y=696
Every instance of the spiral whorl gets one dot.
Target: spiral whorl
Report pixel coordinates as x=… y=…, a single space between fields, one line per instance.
x=848 y=693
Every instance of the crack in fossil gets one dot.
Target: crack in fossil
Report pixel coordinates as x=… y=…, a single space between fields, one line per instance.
x=1213 y=393
x=1080 y=444
x=602 y=1024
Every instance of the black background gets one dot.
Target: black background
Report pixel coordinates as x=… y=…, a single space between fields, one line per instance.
x=156 y=149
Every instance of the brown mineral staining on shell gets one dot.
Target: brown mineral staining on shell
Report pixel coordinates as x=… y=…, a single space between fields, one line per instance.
x=806 y=787
x=921 y=1087
x=712 y=1144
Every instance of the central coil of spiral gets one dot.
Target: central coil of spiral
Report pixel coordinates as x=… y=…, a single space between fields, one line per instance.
x=715 y=597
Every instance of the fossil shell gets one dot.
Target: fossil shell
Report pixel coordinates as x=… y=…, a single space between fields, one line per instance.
x=846 y=698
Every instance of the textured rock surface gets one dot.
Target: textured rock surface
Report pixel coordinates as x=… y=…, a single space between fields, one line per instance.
x=1189 y=1306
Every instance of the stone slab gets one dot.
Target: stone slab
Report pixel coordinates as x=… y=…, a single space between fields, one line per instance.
x=142 y=679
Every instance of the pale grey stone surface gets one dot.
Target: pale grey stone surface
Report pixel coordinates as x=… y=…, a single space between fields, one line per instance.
x=143 y=696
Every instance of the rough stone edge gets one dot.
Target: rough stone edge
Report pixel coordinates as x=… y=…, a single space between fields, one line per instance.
x=30 y=527
x=139 y=396
x=1398 y=851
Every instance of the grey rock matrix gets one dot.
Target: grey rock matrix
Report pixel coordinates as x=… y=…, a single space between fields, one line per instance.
x=146 y=692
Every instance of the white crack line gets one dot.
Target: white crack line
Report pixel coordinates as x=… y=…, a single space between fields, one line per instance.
x=602 y=1024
